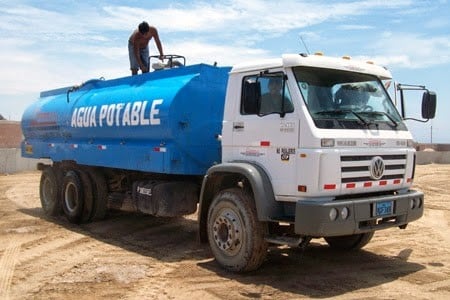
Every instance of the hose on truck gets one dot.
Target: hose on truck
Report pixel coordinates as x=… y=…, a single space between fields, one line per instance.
x=77 y=87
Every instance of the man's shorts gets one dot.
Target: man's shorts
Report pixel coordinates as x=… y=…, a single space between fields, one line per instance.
x=144 y=53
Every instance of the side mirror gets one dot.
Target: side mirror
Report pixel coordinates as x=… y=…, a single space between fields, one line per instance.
x=428 y=105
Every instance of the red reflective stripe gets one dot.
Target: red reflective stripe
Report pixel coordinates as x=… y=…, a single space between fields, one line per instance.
x=367 y=184
x=329 y=186
x=397 y=181
x=265 y=143
x=383 y=182
x=350 y=185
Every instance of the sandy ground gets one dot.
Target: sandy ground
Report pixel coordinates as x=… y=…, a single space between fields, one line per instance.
x=140 y=257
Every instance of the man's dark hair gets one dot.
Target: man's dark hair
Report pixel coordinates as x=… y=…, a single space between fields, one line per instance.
x=144 y=27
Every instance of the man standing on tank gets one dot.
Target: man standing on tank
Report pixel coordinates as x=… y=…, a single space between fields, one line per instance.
x=138 y=47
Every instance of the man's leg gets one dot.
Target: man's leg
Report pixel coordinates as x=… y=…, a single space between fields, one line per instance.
x=134 y=66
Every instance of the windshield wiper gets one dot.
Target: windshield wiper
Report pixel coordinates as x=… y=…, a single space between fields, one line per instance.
x=384 y=114
x=345 y=111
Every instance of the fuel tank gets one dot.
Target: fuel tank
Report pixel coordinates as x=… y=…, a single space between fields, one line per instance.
x=166 y=121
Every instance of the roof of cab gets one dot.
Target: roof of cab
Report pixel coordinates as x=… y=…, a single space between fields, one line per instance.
x=319 y=61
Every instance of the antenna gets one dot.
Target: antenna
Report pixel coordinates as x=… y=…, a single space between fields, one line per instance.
x=304 y=44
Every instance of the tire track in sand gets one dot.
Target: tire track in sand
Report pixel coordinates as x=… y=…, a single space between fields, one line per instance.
x=7 y=265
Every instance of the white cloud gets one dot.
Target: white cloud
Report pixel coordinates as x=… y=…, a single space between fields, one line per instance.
x=199 y=52
x=437 y=23
x=412 y=51
x=228 y=21
x=246 y=16
x=355 y=27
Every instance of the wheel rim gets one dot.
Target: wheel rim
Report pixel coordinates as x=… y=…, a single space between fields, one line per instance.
x=227 y=230
x=71 y=197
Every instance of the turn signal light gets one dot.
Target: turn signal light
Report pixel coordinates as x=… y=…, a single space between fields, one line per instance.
x=327 y=143
x=302 y=188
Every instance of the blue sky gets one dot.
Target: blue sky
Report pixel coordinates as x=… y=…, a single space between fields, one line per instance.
x=55 y=43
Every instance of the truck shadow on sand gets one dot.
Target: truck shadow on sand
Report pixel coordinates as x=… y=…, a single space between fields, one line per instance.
x=317 y=272
x=321 y=272
x=165 y=239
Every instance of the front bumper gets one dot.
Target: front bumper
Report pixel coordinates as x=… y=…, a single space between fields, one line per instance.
x=312 y=218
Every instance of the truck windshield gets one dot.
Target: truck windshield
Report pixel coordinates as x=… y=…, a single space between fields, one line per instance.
x=339 y=99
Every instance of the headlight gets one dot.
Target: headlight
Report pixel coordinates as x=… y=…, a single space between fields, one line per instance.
x=333 y=214
x=344 y=213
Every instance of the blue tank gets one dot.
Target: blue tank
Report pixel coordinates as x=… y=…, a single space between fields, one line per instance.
x=164 y=122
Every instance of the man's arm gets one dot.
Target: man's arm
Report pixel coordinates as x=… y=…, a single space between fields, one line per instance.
x=157 y=42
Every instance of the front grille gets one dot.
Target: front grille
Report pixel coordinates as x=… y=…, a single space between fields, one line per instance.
x=369 y=157
x=356 y=168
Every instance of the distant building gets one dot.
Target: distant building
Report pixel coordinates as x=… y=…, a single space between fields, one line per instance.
x=10 y=134
x=433 y=147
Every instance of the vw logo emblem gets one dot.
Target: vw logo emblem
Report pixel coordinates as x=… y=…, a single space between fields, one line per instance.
x=376 y=168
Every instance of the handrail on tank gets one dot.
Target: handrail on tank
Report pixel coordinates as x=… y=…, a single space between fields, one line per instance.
x=169 y=61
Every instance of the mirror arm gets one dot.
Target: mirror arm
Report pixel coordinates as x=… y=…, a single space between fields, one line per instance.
x=414 y=119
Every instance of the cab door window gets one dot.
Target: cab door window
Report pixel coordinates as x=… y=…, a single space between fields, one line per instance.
x=265 y=94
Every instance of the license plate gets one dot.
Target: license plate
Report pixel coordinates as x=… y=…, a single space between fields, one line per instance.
x=383 y=208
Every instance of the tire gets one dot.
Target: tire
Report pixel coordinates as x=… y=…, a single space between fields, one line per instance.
x=100 y=192
x=235 y=235
x=72 y=197
x=350 y=242
x=88 y=197
x=49 y=192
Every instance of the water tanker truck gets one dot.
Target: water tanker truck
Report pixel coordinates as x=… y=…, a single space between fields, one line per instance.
x=274 y=152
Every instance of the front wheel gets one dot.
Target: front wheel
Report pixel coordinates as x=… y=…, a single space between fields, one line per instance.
x=236 y=237
x=350 y=242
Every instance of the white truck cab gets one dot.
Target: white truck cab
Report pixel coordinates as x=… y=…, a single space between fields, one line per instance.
x=339 y=123
x=329 y=156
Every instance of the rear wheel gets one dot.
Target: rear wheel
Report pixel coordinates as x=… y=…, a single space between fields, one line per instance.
x=73 y=197
x=236 y=237
x=49 y=191
x=100 y=193
x=349 y=242
x=88 y=197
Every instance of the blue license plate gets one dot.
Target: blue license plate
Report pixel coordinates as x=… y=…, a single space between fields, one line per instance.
x=383 y=208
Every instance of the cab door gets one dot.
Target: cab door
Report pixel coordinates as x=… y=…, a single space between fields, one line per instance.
x=267 y=133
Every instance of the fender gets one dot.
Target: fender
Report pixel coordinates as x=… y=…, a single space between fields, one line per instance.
x=266 y=206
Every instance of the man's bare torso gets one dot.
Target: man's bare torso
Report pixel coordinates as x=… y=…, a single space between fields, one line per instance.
x=140 y=40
